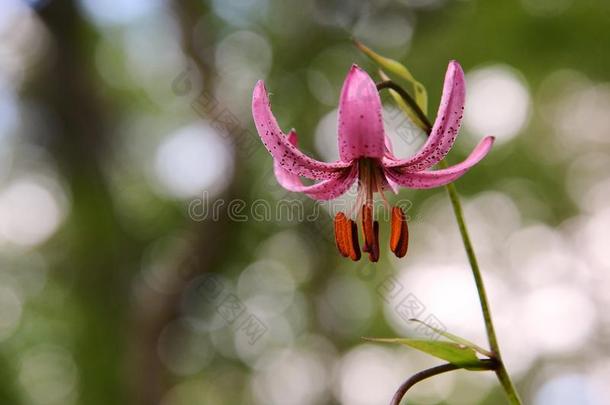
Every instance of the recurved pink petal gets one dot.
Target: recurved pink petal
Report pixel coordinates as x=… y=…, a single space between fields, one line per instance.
x=333 y=188
x=286 y=179
x=286 y=154
x=389 y=149
x=360 y=123
x=437 y=178
x=324 y=190
x=395 y=187
x=445 y=128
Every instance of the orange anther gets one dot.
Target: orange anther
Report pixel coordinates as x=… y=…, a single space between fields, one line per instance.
x=399 y=234
x=340 y=236
x=346 y=237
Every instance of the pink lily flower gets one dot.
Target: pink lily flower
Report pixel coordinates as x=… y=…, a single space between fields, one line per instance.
x=365 y=153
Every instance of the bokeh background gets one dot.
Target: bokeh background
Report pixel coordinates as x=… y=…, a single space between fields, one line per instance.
x=129 y=274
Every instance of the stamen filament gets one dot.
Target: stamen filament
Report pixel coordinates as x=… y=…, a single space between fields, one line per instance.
x=367 y=227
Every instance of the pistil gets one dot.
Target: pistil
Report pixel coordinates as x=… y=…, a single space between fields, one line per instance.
x=370 y=229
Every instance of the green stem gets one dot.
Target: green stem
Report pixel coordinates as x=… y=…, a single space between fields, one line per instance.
x=474 y=265
x=501 y=372
x=507 y=384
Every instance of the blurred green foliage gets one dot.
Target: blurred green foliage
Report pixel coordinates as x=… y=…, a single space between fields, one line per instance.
x=116 y=275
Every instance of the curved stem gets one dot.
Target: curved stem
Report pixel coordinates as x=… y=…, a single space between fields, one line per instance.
x=501 y=372
x=422 y=375
x=489 y=364
x=388 y=84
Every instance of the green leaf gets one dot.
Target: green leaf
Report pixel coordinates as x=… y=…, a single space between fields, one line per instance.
x=456 y=339
x=455 y=353
x=397 y=68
